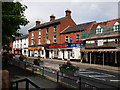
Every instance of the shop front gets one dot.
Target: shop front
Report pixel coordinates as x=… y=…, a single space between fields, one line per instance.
x=36 y=52
x=17 y=51
x=101 y=56
x=65 y=52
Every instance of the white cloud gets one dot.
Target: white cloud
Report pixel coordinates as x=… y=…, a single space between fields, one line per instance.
x=81 y=11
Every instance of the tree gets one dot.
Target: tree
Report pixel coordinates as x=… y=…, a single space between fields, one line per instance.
x=12 y=18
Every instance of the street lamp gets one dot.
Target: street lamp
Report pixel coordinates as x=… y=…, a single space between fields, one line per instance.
x=34 y=42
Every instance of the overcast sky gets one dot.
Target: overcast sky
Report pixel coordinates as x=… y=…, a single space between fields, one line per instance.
x=81 y=11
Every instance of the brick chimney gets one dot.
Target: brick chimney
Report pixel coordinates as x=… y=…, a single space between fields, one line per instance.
x=68 y=12
x=52 y=17
x=37 y=22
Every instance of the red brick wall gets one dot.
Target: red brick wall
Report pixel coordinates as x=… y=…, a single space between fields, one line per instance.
x=64 y=23
x=73 y=35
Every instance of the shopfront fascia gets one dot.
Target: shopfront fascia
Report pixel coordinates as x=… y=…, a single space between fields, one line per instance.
x=65 y=52
x=36 y=51
x=101 y=56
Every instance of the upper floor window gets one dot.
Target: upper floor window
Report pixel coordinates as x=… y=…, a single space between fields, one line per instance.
x=54 y=38
x=116 y=26
x=46 y=37
x=39 y=41
x=55 y=29
x=32 y=33
x=46 y=30
x=33 y=42
x=77 y=37
x=66 y=39
x=99 y=30
x=39 y=33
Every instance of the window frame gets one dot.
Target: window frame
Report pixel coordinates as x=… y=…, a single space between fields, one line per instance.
x=66 y=38
x=54 y=38
x=77 y=37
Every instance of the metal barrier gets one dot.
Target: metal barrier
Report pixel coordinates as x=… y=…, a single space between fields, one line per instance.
x=27 y=82
x=59 y=77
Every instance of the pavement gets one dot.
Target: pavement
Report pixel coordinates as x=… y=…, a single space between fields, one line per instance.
x=17 y=73
x=97 y=66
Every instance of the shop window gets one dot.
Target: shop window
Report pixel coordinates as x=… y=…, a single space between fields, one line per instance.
x=77 y=37
x=24 y=51
x=42 y=52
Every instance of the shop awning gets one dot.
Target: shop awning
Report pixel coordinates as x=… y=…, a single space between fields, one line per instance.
x=100 y=50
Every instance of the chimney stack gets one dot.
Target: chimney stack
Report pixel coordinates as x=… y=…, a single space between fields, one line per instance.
x=37 y=22
x=68 y=12
x=52 y=17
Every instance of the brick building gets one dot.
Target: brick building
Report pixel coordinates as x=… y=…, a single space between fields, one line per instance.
x=71 y=42
x=43 y=35
x=102 y=43
x=20 y=45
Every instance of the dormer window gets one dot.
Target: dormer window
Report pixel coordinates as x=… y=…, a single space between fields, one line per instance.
x=116 y=26
x=99 y=30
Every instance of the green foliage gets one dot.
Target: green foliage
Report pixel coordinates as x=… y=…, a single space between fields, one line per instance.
x=69 y=66
x=12 y=18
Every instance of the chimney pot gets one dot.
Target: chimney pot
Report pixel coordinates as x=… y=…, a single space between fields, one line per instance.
x=68 y=12
x=37 y=22
x=52 y=17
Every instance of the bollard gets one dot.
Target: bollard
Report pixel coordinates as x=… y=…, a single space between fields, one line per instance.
x=43 y=71
x=79 y=83
x=57 y=76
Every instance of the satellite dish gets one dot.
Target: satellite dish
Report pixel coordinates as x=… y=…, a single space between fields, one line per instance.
x=47 y=41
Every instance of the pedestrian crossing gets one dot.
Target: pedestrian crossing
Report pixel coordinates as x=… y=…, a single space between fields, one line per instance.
x=96 y=75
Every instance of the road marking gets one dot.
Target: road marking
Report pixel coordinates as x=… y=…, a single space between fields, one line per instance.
x=114 y=80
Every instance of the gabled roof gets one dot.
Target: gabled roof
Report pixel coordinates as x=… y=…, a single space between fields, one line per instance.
x=106 y=24
x=77 y=28
x=48 y=23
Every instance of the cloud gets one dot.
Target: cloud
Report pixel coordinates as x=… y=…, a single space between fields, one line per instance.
x=81 y=11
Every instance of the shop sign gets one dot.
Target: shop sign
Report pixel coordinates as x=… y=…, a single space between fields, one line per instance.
x=57 y=46
x=35 y=48
x=74 y=45
x=25 y=47
x=17 y=49
x=100 y=42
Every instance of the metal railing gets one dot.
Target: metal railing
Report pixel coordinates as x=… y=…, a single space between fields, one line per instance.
x=15 y=84
x=79 y=82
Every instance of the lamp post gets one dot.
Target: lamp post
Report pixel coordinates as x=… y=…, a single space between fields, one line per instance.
x=34 y=42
